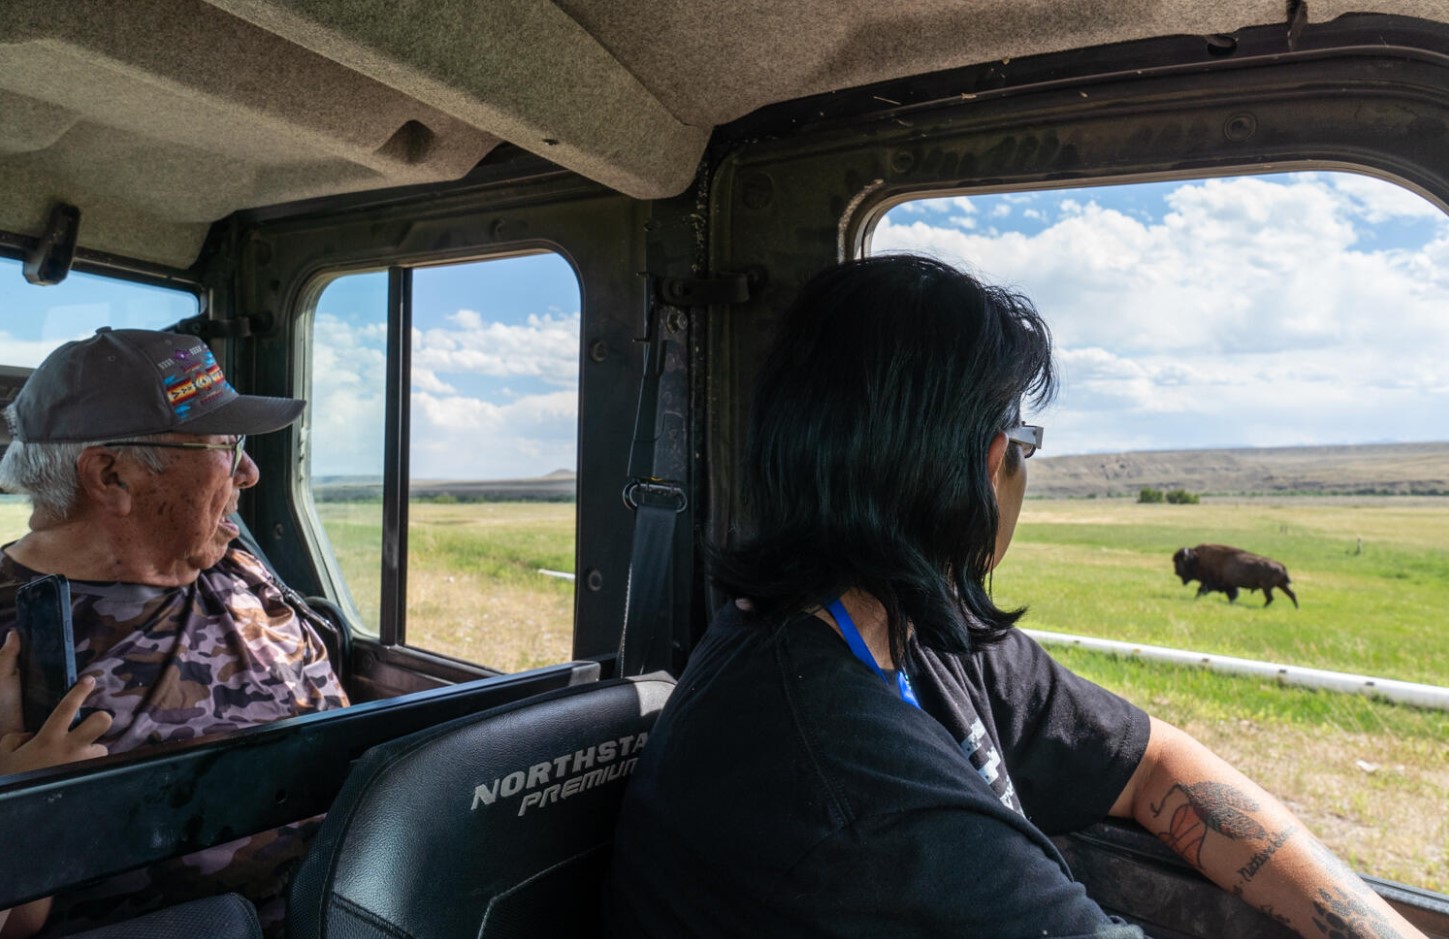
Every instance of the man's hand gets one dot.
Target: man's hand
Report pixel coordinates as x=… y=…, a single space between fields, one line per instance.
x=55 y=743
x=12 y=718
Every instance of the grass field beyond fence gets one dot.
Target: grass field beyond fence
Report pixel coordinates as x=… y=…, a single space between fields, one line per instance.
x=1372 y=577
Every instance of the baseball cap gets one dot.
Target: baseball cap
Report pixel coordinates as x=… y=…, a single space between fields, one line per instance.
x=134 y=382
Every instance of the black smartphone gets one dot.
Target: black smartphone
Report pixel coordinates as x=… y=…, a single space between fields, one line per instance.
x=47 y=649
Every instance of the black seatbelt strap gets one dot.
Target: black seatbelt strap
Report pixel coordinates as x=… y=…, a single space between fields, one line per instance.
x=655 y=492
x=649 y=597
x=654 y=613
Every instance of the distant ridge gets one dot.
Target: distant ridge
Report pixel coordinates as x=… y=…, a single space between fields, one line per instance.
x=1387 y=469
x=1370 y=469
x=558 y=486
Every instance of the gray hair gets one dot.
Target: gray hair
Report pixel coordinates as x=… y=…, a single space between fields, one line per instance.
x=46 y=471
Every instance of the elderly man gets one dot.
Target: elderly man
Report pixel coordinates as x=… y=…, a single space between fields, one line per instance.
x=130 y=447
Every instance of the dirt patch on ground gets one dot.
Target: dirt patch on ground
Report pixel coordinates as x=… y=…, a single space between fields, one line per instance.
x=507 y=628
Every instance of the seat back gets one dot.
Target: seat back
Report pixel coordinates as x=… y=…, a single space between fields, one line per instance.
x=494 y=825
x=227 y=916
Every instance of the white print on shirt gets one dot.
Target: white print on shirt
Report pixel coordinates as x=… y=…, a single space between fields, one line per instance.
x=987 y=761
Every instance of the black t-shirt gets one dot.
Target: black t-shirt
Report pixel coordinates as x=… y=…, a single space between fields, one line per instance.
x=787 y=791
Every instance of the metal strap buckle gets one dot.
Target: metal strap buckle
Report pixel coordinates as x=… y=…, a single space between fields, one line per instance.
x=638 y=492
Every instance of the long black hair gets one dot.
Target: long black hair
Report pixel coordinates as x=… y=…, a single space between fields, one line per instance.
x=866 y=463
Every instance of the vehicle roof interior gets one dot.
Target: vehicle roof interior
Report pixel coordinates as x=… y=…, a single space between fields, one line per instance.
x=158 y=118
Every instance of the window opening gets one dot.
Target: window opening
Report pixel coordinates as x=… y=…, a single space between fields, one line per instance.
x=1260 y=362
x=38 y=320
x=346 y=397
x=491 y=453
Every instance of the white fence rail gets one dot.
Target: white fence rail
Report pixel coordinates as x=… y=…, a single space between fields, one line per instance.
x=1402 y=692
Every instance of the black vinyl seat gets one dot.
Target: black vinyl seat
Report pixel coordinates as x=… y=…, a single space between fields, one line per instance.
x=228 y=916
x=494 y=825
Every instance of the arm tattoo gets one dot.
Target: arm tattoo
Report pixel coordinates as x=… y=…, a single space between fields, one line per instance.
x=1207 y=805
x=1266 y=909
x=1264 y=854
x=1339 y=915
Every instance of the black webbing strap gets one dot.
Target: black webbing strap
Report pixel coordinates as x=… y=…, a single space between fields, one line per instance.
x=649 y=596
x=654 y=617
x=656 y=494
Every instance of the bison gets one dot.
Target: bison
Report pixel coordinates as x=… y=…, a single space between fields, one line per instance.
x=1220 y=567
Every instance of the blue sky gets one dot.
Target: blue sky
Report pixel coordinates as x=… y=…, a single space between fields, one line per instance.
x=495 y=360
x=495 y=365
x=37 y=319
x=1298 y=309
x=1306 y=308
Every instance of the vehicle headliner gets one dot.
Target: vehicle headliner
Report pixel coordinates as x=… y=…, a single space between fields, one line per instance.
x=158 y=118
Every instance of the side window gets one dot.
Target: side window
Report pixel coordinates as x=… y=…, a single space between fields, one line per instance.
x=344 y=434
x=1257 y=362
x=491 y=452
x=34 y=321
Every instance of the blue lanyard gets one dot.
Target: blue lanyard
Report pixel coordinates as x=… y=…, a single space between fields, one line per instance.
x=857 y=645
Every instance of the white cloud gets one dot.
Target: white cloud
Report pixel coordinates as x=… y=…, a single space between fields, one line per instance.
x=458 y=437
x=1252 y=312
x=427 y=380
x=346 y=401
x=507 y=433
x=544 y=347
x=1377 y=200
x=466 y=319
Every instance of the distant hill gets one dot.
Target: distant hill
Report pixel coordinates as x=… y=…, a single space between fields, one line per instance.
x=1389 y=469
x=557 y=486
x=1371 y=469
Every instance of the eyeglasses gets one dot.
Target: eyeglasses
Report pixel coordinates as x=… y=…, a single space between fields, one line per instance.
x=235 y=447
x=1027 y=436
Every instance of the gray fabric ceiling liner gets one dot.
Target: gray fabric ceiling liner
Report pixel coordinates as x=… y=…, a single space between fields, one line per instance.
x=159 y=117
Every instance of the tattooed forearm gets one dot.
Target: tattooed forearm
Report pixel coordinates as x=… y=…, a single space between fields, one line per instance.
x=1203 y=806
x=1331 y=862
x=1255 y=863
x=1340 y=910
x=1222 y=808
x=1340 y=915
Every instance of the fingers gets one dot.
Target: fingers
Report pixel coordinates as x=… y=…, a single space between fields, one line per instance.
x=9 y=743
x=92 y=729
x=9 y=653
x=11 y=713
x=58 y=723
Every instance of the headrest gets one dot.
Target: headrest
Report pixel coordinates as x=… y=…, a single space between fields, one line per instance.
x=487 y=825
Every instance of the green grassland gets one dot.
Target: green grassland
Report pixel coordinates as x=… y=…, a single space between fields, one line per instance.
x=1371 y=573
x=1372 y=578
x=474 y=588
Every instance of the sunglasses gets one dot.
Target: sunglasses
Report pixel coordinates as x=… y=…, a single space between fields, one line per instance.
x=1027 y=436
x=235 y=447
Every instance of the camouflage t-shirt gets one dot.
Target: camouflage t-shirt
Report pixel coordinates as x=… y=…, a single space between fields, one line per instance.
x=176 y=663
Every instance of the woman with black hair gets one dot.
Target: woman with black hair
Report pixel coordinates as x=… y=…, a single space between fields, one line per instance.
x=862 y=744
